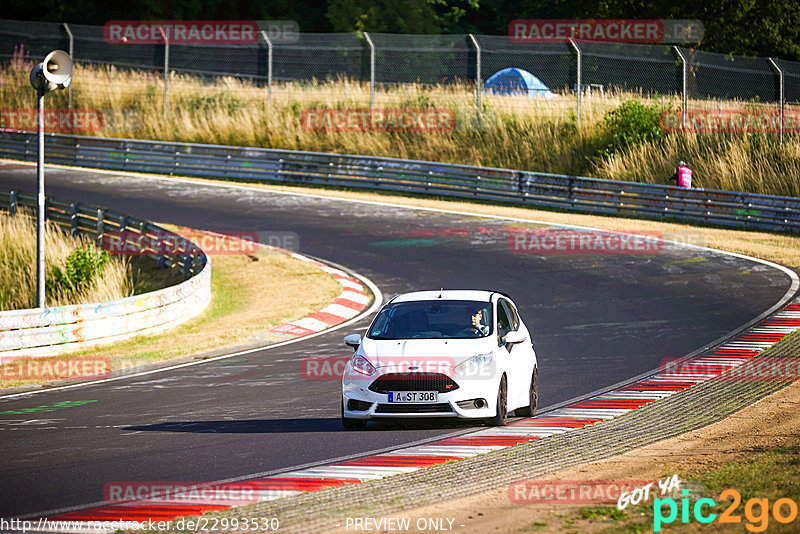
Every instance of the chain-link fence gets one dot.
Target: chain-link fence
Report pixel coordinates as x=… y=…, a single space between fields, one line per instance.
x=458 y=64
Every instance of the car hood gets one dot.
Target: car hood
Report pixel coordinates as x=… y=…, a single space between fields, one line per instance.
x=427 y=354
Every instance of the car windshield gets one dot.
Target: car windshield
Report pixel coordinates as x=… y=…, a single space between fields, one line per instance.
x=429 y=319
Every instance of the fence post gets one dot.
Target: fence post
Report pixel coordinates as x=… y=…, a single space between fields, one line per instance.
x=371 y=72
x=477 y=77
x=73 y=218
x=780 y=103
x=187 y=266
x=161 y=259
x=12 y=205
x=578 y=51
x=269 y=69
x=41 y=212
x=71 y=50
x=100 y=226
x=166 y=66
x=684 y=84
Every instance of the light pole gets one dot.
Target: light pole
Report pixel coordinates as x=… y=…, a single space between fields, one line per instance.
x=55 y=72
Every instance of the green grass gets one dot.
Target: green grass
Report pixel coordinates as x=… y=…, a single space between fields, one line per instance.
x=601 y=512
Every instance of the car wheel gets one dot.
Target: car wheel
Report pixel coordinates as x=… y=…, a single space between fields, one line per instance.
x=533 y=394
x=351 y=424
x=501 y=407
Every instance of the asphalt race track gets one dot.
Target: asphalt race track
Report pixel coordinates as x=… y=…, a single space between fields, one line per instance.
x=596 y=320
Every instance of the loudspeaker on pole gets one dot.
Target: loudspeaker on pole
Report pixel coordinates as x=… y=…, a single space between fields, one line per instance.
x=55 y=72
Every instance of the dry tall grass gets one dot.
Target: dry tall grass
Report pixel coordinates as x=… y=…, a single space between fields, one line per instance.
x=519 y=132
x=18 y=267
x=738 y=163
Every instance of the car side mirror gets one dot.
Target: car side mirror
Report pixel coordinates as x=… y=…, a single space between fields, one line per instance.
x=353 y=340
x=514 y=337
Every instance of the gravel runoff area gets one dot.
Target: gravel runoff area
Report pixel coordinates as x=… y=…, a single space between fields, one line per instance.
x=696 y=407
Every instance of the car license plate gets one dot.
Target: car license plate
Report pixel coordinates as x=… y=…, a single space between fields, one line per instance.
x=413 y=396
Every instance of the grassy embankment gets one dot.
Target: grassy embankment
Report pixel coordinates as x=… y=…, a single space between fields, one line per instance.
x=524 y=133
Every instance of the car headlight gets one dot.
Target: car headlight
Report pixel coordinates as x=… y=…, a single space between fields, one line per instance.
x=362 y=365
x=476 y=362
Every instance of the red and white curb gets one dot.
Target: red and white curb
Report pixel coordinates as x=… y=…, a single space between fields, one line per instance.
x=711 y=364
x=351 y=302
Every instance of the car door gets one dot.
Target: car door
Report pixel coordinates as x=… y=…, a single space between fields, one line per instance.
x=504 y=326
x=520 y=365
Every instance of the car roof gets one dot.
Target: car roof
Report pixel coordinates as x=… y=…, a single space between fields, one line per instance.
x=447 y=294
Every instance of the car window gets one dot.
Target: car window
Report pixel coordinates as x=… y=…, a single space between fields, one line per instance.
x=431 y=319
x=503 y=321
x=512 y=313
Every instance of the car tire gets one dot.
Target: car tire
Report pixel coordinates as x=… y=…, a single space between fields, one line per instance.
x=533 y=397
x=351 y=424
x=501 y=406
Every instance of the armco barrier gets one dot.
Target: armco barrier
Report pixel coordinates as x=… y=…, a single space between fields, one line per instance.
x=572 y=193
x=35 y=332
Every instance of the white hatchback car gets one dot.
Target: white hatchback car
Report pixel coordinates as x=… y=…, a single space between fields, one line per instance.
x=464 y=354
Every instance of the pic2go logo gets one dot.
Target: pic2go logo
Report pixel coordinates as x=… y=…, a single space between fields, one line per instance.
x=756 y=511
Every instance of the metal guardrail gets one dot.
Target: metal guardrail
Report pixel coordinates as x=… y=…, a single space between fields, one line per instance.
x=36 y=332
x=570 y=193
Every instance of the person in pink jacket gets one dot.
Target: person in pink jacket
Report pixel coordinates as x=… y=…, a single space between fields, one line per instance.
x=682 y=176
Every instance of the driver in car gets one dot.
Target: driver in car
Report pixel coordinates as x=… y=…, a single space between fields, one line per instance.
x=477 y=317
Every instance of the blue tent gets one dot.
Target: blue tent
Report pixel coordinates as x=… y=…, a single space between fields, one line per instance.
x=514 y=81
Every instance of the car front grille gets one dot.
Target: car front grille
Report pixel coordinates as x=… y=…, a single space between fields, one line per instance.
x=413 y=382
x=441 y=407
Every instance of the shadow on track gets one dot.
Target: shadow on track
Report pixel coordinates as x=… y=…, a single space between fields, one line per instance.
x=280 y=426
